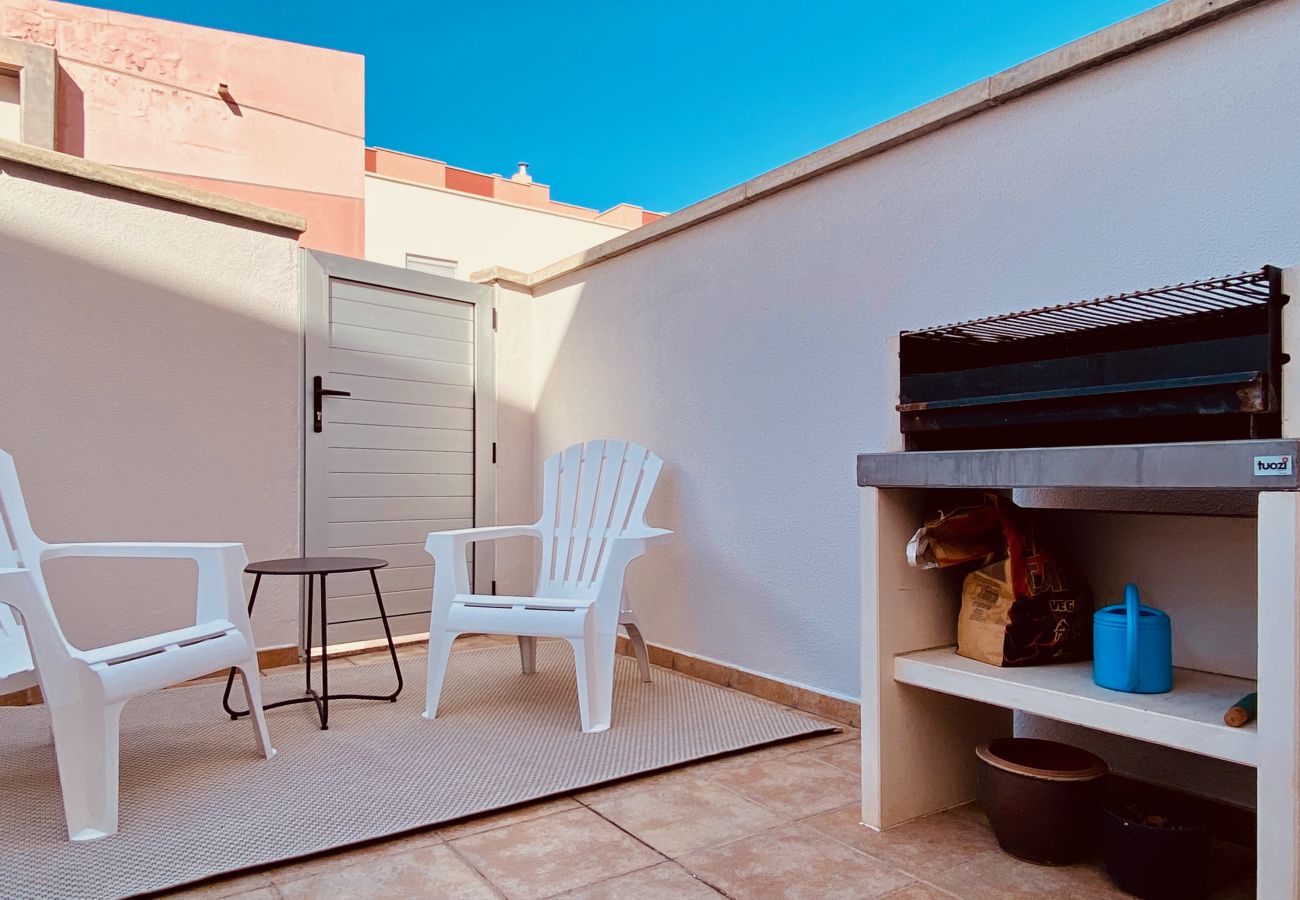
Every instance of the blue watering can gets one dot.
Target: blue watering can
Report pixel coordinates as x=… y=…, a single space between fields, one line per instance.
x=1132 y=647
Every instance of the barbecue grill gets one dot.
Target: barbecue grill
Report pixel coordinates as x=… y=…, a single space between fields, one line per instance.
x=1198 y=361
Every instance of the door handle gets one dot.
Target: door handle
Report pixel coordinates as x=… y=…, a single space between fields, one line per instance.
x=317 y=392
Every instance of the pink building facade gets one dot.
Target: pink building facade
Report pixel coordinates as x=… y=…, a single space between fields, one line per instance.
x=261 y=120
x=145 y=94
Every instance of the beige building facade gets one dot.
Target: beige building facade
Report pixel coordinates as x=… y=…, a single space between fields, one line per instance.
x=427 y=215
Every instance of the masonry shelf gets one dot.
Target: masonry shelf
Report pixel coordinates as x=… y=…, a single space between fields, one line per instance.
x=1190 y=717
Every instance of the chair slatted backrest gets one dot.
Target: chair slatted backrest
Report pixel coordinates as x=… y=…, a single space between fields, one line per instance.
x=21 y=548
x=590 y=493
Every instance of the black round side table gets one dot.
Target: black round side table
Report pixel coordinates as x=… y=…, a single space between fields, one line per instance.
x=319 y=566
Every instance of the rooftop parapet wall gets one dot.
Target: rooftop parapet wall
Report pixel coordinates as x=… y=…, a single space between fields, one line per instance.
x=433 y=173
x=1155 y=26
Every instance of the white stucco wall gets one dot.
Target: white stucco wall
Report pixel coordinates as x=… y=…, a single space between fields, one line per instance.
x=749 y=350
x=150 y=362
x=478 y=233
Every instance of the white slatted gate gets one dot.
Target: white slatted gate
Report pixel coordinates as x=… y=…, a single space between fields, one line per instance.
x=409 y=451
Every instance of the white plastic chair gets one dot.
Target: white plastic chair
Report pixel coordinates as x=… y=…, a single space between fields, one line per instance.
x=17 y=673
x=592 y=526
x=85 y=690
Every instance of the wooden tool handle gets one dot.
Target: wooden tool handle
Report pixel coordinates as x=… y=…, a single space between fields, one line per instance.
x=1242 y=711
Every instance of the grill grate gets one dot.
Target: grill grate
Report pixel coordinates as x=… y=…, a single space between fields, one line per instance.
x=1218 y=295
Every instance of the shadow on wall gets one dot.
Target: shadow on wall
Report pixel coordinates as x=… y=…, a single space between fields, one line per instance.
x=150 y=354
x=71 y=123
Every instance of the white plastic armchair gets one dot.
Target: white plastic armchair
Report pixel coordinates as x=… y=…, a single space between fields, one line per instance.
x=85 y=690
x=592 y=526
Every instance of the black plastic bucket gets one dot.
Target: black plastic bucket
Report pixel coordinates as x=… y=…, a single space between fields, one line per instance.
x=1156 y=848
x=1042 y=798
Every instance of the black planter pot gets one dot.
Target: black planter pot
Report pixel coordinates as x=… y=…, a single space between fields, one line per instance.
x=1042 y=798
x=1156 y=850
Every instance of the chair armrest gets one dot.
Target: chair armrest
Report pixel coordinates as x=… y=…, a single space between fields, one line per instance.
x=448 y=551
x=622 y=550
x=455 y=541
x=142 y=550
x=485 y=533
x=634 y=543
x=653 y=537
x=221 y=571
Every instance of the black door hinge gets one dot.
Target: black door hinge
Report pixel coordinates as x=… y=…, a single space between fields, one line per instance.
x=494 y=453
x=494 y=318
x=494 y=588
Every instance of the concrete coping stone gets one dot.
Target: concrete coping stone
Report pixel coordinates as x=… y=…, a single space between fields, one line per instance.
x=88 y=170
x=500 y=275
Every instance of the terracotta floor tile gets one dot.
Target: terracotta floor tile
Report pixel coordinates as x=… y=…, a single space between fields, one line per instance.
x=413 y=841
x=235 y=886
x=772 y=751
x=686 y=815
x=653 y=781
x=508 y=817
x=793 y=862
x=555 y=853
x=994 y=875
x=741 y=760
x=316 y=865
x=846 y=732
x=793 y=786
x=351 y=856
x=923 y=848
x=666 y=880
x=973 y=810
x=919 y=891
x=427 y=872
x=846 y=755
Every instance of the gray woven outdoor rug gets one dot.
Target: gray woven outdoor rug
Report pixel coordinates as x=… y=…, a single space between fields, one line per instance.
x=197 y=799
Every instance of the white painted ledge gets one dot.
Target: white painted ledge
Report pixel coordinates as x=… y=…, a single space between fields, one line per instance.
x=102 y=173
x=1190 y=717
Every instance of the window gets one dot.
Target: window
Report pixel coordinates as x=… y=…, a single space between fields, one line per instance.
x=431 y=264
x=11 y=120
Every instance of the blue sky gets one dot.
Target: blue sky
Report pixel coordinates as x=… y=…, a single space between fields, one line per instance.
x=656 y=103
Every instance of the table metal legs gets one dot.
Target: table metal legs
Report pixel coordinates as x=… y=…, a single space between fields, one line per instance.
x=322 y=699
x=392 y=652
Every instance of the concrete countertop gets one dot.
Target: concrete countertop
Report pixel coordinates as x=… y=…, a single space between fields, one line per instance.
x=1258 y=465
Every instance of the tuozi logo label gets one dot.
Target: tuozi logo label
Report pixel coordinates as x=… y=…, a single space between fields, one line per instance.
x=1273 y=465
